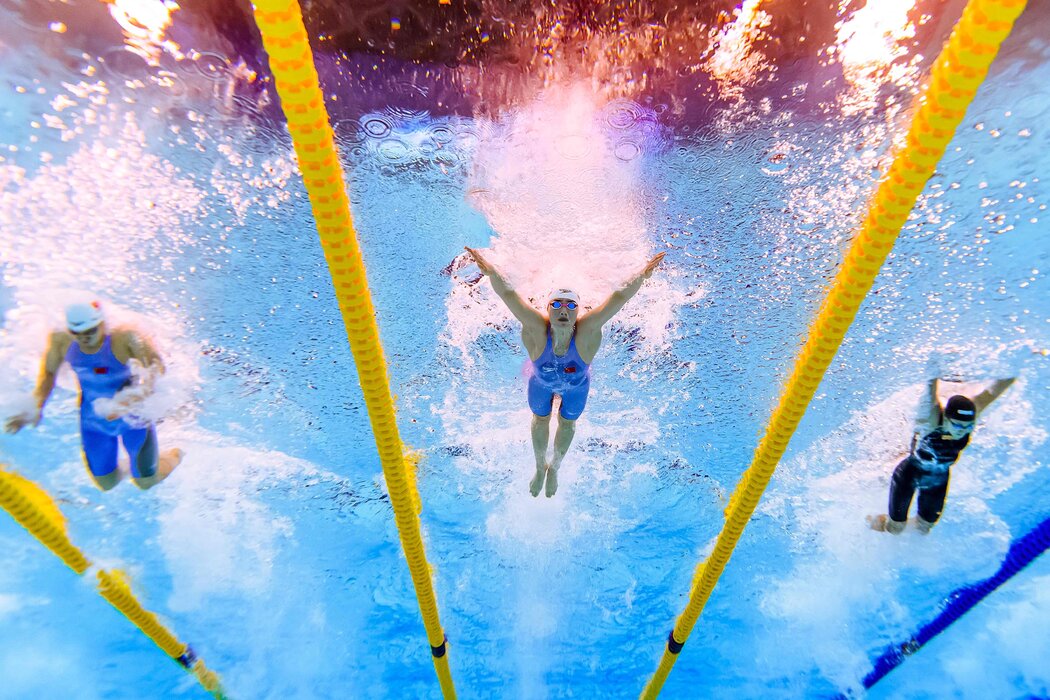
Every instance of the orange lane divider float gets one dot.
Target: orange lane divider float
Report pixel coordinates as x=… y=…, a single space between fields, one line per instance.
x=291 y=62
x=34 y=510
x=953 y=82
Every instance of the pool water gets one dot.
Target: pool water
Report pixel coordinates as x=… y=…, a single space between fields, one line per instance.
x=144 y=160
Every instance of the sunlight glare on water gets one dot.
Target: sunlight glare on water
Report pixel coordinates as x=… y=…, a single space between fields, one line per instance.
x=563 y=212
x=869 y=45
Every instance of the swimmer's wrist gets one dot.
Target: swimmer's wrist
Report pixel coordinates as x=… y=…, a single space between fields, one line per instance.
x=33 y=416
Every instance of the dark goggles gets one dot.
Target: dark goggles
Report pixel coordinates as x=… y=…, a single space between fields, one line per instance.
x=85 y=333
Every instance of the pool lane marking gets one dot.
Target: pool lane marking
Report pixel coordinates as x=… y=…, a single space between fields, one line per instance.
x=1022 y=552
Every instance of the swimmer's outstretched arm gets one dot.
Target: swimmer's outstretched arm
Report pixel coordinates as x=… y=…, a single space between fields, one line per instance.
x=601 y=315
x=990 y=394
x=532 y=320
x=54 y=357
x=932 y=411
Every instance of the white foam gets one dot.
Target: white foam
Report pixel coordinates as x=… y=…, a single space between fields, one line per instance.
x=216 y=535
x=88 y=228
x=11 y=603
x=560 y=217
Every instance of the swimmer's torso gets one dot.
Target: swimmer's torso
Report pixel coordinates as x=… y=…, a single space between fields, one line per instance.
x=936 y=451
x=563 y=371
x=101 y=375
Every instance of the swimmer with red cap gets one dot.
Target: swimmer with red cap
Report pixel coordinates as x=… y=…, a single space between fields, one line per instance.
x=561 y=344
x=100 y=358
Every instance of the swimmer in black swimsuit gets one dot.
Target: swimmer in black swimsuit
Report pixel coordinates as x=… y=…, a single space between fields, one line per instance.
x=927 y=467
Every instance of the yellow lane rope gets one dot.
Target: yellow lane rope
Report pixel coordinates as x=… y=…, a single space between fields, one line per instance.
x=953 y=82
x=34 y=510
x=291 y=62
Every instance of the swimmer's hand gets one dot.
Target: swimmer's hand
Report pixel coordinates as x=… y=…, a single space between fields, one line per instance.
x=484 y=265
x=16 y=423
x=123 y=403
x=128 y=399
x=650 y=266
x=111 y=410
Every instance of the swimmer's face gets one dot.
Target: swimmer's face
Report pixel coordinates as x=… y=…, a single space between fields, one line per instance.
x=560 y=313
x=91 y=338
x=958 y=428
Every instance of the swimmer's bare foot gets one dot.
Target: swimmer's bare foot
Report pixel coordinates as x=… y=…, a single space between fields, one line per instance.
x=552 y=481
x=883 y=523
x=537 y=481
x=169 y=459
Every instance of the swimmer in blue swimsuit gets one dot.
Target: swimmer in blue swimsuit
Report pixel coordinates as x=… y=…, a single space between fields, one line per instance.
x=100 y=360
x=561 y=347
x=926 y=469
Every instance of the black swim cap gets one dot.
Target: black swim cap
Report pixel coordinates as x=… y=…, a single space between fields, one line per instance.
x=960 y=408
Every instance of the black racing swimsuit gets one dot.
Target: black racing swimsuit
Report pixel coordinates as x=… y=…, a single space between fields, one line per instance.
x=936 y=452
x=925 y=470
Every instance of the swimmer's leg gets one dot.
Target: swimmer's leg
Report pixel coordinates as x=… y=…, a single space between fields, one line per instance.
x=573 y=402
x=166 y=463
x=100 y=456
x=931 y=503
x=562 y=440
x=876 y=522
x=148 y=468
x=541 y=432
x=902 y=488
x=541 y=401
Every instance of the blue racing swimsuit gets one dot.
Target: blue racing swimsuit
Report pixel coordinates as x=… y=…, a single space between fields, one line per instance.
x=102 y=375
x=566 y=375
x=925 y=470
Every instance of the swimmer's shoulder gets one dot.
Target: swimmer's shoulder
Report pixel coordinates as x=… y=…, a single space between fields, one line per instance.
x=58 y=342
x=129 y=342
x=126 y=342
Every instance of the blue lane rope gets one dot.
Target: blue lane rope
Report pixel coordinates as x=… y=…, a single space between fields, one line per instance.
x=959 y=601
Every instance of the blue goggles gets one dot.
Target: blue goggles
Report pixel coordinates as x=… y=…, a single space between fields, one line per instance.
x=567 y=304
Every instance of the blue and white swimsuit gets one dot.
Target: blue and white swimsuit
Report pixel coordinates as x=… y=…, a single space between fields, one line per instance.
x=102 y=375
x=566 y=375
